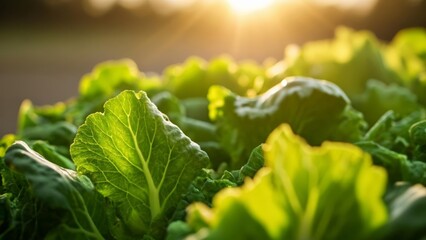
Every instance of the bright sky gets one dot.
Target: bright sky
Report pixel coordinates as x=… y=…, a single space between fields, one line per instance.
x=239 y=6
x=247 y=6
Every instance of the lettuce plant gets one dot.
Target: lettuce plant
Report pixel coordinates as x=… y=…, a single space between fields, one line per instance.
x=327 y=143
x=137 y=159
x=303 y=103
x=302 y=191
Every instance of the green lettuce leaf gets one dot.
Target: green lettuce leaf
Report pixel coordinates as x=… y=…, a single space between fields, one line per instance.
x=255 y=162
x=407 y=207
x=418 y=139
x=304 y=103
x=379 y=98
x=178 y=230
x=108 y=77
x=328 y=192
x=75 y=207
x=5 y=142
x=398 y=144
x=187 y=80
x=53 y=154
x=200 y=131
x=202 y=189
x=193 y=78
x=210 y=182
x=349 y=60
x=46 y=123
x=31 y=116
x=58 y=133
x=393 y=132
x=197 y=108
x=411 y=41
x=138 y=159
x=106 y=80
x=406 y=55
x=397 y=165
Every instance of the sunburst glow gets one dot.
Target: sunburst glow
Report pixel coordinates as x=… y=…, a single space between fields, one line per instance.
x=247 y=6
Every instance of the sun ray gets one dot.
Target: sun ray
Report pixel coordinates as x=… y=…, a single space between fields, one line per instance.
x=248 y=6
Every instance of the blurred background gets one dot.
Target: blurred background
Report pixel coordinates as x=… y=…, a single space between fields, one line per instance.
x=46 y=46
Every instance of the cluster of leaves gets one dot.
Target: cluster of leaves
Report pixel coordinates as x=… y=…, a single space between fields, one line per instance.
x=224 y=150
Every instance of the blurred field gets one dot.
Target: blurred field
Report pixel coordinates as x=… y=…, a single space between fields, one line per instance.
x=44 y=55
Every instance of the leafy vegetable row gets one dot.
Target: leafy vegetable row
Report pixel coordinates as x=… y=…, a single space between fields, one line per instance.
x=226 y=150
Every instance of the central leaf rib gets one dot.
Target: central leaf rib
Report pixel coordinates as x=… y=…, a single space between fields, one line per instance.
x=153 y=194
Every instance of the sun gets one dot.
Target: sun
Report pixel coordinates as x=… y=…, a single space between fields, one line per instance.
x=248 y=6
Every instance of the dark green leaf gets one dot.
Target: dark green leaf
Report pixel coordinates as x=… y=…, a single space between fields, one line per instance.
x=407 y=206
x=53 y=154
x=418 y=138
x=59 y=133
x=304 y=103
x=380 y=98
x=59 y=188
